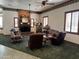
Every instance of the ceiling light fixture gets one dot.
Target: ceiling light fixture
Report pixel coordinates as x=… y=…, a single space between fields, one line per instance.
x=29 y=7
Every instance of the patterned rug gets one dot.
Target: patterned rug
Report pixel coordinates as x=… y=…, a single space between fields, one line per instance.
x=65 y=51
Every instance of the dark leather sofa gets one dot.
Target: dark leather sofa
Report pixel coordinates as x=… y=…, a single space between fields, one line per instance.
x=35 y=41
x=59 y=40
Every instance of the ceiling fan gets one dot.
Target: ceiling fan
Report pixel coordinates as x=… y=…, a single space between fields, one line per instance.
x=46 y=2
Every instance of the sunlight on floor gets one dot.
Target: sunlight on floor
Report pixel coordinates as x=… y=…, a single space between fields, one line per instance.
x=9 y=53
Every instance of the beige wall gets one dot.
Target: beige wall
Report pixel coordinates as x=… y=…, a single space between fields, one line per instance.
x=8 y=20
x=1 y=31
x=56 y=20
x=36 y=18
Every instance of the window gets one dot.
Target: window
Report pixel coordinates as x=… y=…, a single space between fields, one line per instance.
x=72 y=22
x=32 y=22
x=45 y=20
x=16 y=22
x=1 y=21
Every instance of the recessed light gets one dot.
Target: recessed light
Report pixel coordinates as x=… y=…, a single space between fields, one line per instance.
x=40 y=6
x=49 y=0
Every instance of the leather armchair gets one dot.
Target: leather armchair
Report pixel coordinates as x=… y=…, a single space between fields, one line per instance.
x=59 y=40
x=35 y=41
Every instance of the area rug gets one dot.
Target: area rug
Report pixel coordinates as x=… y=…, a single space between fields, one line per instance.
x=67 y=50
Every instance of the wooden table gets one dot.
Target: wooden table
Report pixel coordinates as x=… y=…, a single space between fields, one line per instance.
x=26 y=33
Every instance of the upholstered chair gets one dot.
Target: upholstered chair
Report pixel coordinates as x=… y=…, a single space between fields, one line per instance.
x=35 y=41
x=59 y=39
x=16 y=36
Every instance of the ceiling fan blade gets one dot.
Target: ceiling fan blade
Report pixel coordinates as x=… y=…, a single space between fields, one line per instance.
x=50 y=3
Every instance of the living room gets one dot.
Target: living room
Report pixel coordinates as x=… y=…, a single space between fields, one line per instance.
x=56 y=20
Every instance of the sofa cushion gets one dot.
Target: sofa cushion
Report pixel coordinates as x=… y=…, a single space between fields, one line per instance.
x=54 y=33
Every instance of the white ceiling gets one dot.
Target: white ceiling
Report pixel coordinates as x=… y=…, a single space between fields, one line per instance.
x=24 y=4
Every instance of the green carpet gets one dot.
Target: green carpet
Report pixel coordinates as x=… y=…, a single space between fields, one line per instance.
x=65 y=51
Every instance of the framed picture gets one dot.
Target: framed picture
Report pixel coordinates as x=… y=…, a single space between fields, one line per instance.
x=24 y=20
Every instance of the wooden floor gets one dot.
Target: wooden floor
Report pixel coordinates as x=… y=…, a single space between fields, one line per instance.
x=9 y=53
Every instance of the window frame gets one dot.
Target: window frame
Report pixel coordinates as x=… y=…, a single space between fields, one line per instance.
x=71 y=21
x=43 y=20
x=14 y=22
x=2 y=21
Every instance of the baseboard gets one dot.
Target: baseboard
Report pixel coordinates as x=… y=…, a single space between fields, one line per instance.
x=72 y=43
x=6 y=34
x=1 y=34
